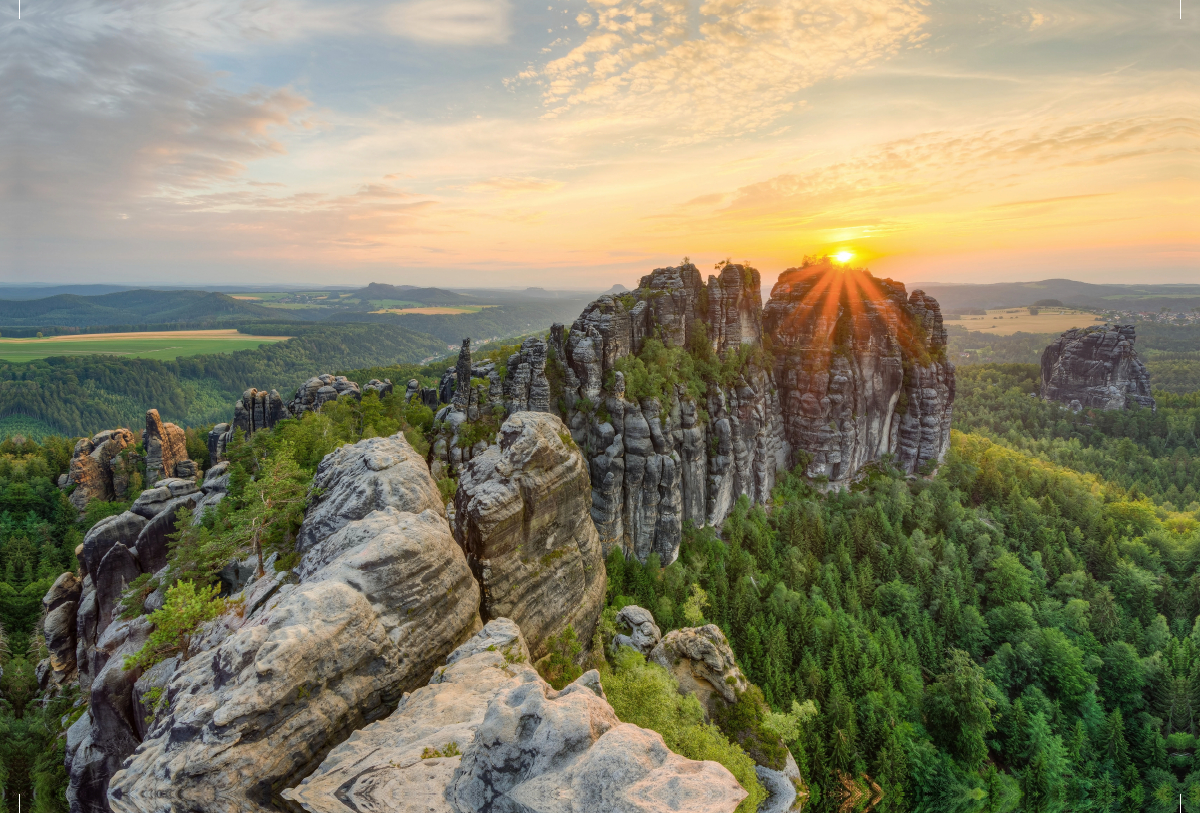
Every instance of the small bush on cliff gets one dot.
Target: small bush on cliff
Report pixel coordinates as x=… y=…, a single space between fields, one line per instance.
x=644 y=694
x=186 y=608
x=559 y=668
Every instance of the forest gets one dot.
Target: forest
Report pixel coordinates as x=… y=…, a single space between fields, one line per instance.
x=1017 y=632
x=84 y=394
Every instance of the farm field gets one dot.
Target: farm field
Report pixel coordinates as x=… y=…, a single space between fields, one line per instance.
x=1007 y=321
x=435 y=310
x=157 y=345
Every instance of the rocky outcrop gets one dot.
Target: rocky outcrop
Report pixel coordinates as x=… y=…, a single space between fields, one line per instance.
x=858 y=372
x=861 y=370
x=479 y=397
x=375 y=605
x=60 y=606
x=521 y=516
x=259 y=409
x=166 y=450
x=488 y=734
x=643 y=635
x=702 y=663
x=101 y=466
x=367 y=476
x=382 y=388
x=1096 y=368
x=526 y=388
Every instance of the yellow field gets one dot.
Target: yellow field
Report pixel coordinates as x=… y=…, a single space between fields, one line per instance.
x=155 y=345
x=433 y=311
x=1008 y=321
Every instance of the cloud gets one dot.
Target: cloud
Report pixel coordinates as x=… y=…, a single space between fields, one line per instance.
x=512 y=186
x=720 y=67
x=455 y=22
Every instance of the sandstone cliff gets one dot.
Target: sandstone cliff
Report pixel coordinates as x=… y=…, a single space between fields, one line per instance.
x=1096 y=368
x=838 y=370
x=488 y=733
x=373 y=607
x=521 y=515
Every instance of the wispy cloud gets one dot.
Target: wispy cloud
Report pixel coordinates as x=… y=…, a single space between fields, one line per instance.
x=457 y=22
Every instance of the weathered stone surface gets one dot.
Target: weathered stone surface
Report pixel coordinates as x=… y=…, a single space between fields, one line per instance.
x=153 y=501
x=151 y=546
x=644 y=634
x=363 y=477
x=59 y=632
x=93 y=465
x=521 y=516
x=462 y=376
x=123 y=528
x=851 y=381
x=859 y=378
x=218 y=437
x=702 y=663
x=153 y=680
x=542 y=750
x=1098 y=368
x=116 y=570
x=166 y=447
x=89 y=769
x=110 y=702
x=381 y=766
x=268 y=693
x=213 y=490
x=66 y=588
x=526 y=388
x=382 y=388
x=657 y=465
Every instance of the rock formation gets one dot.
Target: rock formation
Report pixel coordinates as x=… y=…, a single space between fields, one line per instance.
x=259 y=409
x=859 y=372
x=101 y=467
x=478 y=397
x=372 y=609
x=702 y=663
x=367 y=476
x=644 y=634
x=521 y=516
x=166 y=450
x=518 y=745
x=1096 y=368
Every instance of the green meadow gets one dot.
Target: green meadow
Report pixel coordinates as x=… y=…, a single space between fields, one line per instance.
x=162 y=346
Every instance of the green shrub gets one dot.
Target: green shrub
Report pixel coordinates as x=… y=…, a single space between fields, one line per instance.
x=646 y=695
x=186 y=608
x=560 y=667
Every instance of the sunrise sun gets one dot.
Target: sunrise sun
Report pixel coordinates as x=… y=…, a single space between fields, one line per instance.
x=844 y=256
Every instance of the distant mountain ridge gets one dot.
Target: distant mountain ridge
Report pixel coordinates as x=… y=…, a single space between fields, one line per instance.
x=430 y=296
x=955 y=297
x=132 y=307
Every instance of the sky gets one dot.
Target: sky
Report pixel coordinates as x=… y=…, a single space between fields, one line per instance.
x=578 y=143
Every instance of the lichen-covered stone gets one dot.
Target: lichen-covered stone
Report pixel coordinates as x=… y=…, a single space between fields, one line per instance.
x=1098 y=368
x=359 y=478
x=521 y=516
x=702 y=663
x=643 y=634
x=379 y=603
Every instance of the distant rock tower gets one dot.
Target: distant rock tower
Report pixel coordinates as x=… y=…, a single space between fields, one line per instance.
x=1096 y=368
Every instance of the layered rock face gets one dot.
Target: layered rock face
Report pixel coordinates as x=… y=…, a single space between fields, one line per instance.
x=101 y=467
x=655 y=465
x=518 y=745
x=861 y=370
x=476 y=391
x=1096 y=368
x=259 y=409
x=166 y=450
x=372 y=609
x=521 y=516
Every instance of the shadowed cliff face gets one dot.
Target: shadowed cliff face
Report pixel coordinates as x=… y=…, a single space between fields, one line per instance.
x=861 y=369
x=858 y=372
x=1096 y=368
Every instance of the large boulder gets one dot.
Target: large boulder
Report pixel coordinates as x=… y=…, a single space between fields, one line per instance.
x=643 y=634
x=1096 y=368
x=521 y=516
x=702 y=663
x=96 y=471
x=367 y=476
x=151 y=546
x=116 y=571
x=166 y=449
x=371 y=612
x=488 y=734
x=123 y=528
